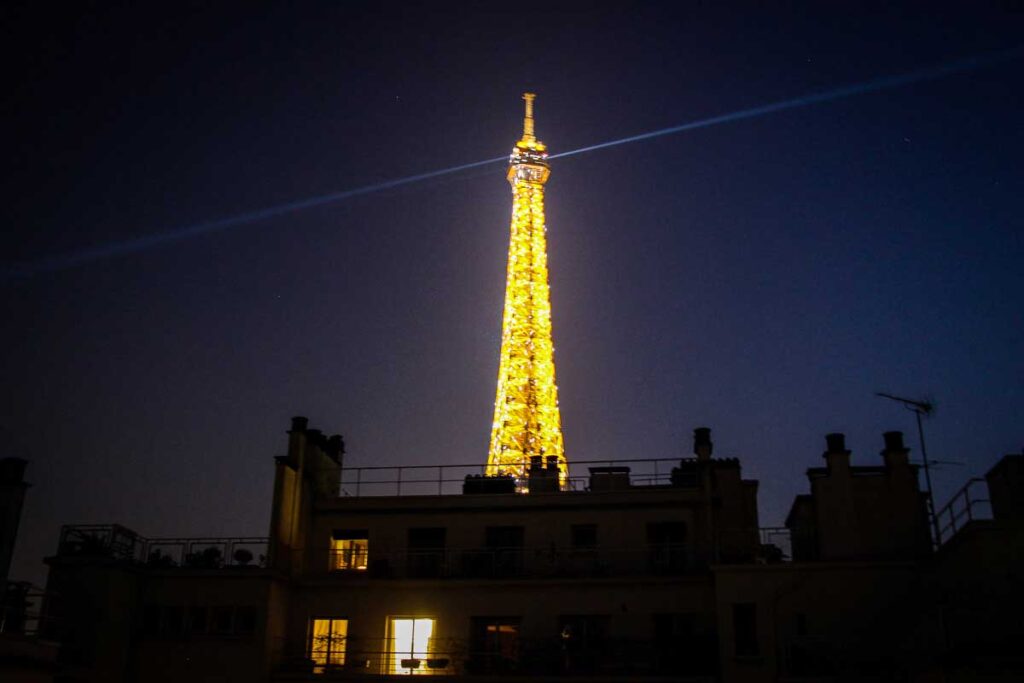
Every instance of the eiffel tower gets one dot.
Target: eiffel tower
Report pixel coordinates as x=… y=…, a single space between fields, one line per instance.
x=526 y=418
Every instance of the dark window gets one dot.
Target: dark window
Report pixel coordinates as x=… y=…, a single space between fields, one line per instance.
x=173 y=621
x=800 y=624
x=666 y=543
x=584 y=536
x=197 y=620
x=684 y=644
x=151 y=620
x=245 y=620
x=744 y=625
x=426 y=551
x=223 y=620
x=504 y=551
x=494 y=644
x=583 y=638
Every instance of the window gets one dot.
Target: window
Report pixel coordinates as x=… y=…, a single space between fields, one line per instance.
x=151 y=620
x=666 y=543
x=494 y=644
x=744 y=626
x=245 y=620
x=504 y=550
x=685 y=643
x=327 y=643
x=426 y=551
x=197 y=620
x=584 y=536
x=583 y=641
x=409 y=645
x=223 y=620
x=350 y=549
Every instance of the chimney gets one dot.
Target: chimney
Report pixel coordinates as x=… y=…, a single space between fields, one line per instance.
x=336 y=448
x=836 y=455
x=552 y=461
x=542 y=479
x=12 y=497
x=299 y=423
x=1006 y=487
x=895 y=454
x=702 y=446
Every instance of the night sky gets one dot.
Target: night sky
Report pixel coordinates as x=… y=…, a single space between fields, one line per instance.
x=762 y=277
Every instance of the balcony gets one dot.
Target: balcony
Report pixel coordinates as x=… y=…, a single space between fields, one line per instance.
x=519 y=562
x=694 y=657
x=115 y=542
x=440 y=480
x=971 y=503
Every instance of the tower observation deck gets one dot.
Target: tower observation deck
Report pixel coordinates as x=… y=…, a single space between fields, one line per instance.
x=526 y=417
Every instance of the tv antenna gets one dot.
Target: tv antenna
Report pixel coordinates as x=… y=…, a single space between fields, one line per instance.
x=920 y=408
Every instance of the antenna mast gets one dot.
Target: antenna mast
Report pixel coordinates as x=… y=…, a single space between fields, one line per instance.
x=920 y=408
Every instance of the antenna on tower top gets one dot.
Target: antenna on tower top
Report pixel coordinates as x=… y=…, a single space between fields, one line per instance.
x=528 y=120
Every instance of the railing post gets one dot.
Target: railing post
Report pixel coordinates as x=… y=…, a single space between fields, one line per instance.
x=359 y=479
x=967 y=498
x=399 y=491
x=440 y=478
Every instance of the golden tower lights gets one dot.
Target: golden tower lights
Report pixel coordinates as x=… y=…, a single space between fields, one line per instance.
x=526 y=418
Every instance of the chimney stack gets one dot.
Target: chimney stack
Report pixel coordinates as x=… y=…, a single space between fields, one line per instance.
x=336 y=448
x=836 y=456
x=895 y=454
x=12 y=497
x=702 y=446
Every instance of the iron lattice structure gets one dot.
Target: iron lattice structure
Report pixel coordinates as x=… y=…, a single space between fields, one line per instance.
x=526 y=418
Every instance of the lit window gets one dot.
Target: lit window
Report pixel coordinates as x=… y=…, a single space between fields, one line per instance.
x=350 y=550
x=327 y=643
x=409 y=645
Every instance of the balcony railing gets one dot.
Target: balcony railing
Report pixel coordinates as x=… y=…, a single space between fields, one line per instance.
x=968 y=504
x=21 y=609
x=520 y=562
x=120 y=543
x=776 y=544
x=694 y=657
x=438 y=480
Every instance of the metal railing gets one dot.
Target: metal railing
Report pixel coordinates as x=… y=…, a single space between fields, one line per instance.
x=776 y=544
x=561 y=654
x=21 y=609
x=519 y=562
x=120 y=543
x=438 y=480
x=968 y=504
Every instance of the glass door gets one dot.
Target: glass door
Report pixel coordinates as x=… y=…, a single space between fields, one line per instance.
x=409 y=644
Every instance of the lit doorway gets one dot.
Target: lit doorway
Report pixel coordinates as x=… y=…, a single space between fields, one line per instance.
x=409 y=644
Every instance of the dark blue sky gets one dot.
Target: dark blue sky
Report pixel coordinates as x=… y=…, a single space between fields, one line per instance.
x=762 y=277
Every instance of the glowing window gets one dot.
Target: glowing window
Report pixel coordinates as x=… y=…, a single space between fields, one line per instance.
x=409 y=645
x=327 y=643
x=350 y=550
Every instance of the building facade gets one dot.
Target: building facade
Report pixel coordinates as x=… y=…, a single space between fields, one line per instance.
x=631 y=570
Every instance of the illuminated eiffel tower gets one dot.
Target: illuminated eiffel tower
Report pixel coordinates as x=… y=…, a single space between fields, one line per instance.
x=526 y=418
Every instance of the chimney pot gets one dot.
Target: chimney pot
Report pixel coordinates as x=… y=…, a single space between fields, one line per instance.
x=536 y=462
x=299 y=423
x=702 y=445
x=836 y=442
x=552 y=462
x=893 y=441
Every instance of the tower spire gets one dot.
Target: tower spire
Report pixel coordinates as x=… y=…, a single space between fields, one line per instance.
x=528 y=119
x=527 y=427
